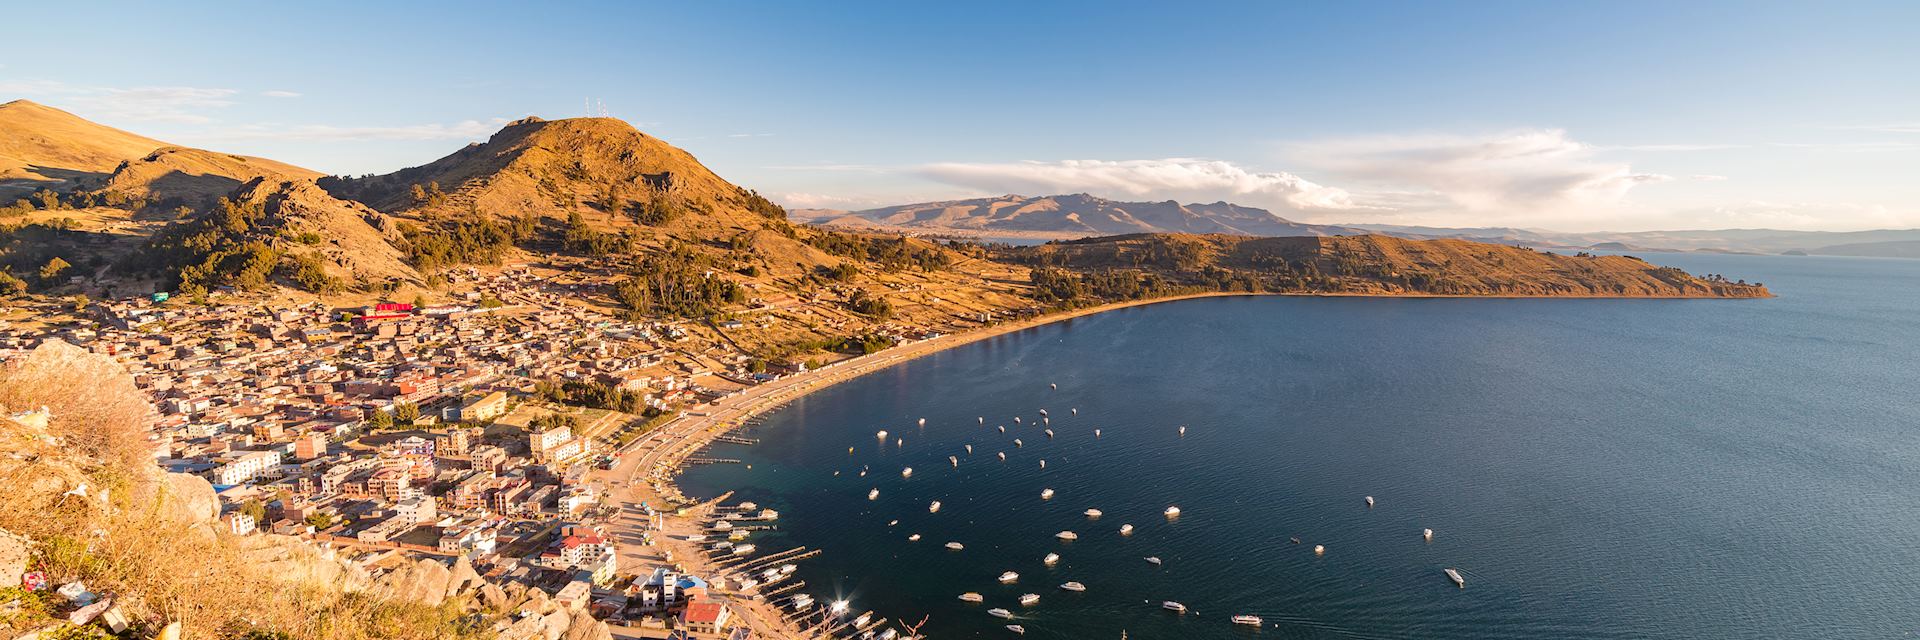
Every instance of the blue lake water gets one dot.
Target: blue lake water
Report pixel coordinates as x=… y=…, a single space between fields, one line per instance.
x=1595 y=468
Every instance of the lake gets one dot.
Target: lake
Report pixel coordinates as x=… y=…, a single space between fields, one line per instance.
x=1594 y=468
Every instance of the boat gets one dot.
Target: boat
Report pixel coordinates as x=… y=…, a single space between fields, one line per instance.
x=1043 y=412
x=913 y=538
x=892 y=522
x=873 y=494
x=906 y=472
x=983 y=419
x=1296 y=539
x=1076 y=411
x=972 y=597
x=889 y=634
x=1427 y=534
x=788 y=568
x=1174 y=606
x=1046 y=421
x=1074 y=586
x=1009 y=577
x=863 y=620
x=1154 y=560
x=956 y=546
x=839 y=607
x=1093 y=513
x=1248 y=620
x=1017 y=443
x=1049 y=433
x=1000 y=613
x=1319 y=549
x=863 y=473
x=934 y=507
x=1043 y=463
x=1126 y=529
x=1067 y=535
x=1096 y=433
x=954 y=460
x=1183 y=429
x=1051 y=385
x=803 y=601
x=1172 y=512
x=1003 y=428
x=1017 y=629
x=743 y=550
x=900 y=442
x=1029 y=599
x=923 y=422
x=1016 y=420
x=1046 y=494
x=969 y=449
x=1050 y=559
x=1003 y=456
x=1369 y=502
x=882 y=435
x=1458 y=580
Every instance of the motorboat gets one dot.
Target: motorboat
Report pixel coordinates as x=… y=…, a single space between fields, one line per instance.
x=1126 y=529
x=1000 y=613
x=972 y=597
x=1029 y=599
x=1252 y=621
x=1174 y=606
x=956 y=546
x=1074 y=586
x=1093 y=513
x=1067 y=535
x=1009 y=577
x=1046 y=494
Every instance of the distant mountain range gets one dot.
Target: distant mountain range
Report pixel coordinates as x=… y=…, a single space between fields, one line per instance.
x=1081 y=215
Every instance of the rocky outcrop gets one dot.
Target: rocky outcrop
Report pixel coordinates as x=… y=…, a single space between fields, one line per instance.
x=424 y=581
x=584 y=627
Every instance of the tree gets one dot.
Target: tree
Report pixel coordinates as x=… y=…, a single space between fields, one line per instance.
x=254 y=508
x=53 y=269
x=405 y=412
x=380 y=420
x=11 y=286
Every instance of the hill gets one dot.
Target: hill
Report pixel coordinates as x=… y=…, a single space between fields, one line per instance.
x=1888 y=249
x=1353 y=265
x=178 y=175
x=45 y=148
x=1074 y=216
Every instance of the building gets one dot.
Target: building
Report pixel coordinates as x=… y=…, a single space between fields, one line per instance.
x=246 y=466
x=706 y=616
x=238 y=523
x=479 y=409
x=310 y=445
x=417 y=509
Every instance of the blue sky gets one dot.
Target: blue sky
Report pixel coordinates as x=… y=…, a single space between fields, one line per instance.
x=1571 y=116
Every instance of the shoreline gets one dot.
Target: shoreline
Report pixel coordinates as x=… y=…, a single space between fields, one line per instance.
x=655 y=461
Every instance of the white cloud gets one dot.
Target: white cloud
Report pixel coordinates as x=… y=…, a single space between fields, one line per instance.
x=463 y=130
x=281 y=94
x=803 y=200
x=1766 y=214
x=188 y=105
x=1187 y=179
x=1530 y=173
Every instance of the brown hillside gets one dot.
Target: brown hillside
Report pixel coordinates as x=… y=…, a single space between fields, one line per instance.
x=192 y=174
x=357 y=243
x=600 y=167
x=42 y=147
x=1376 y=265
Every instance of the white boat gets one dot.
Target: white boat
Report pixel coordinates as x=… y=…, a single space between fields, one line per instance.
x=889 y=634
x=969 y=449
x=1046 y=494
x=743 y=550
x=923 y=422
x=1152 y=560
x=1009 y=577
x=1126 y=529
x=1046 y=421
x=983 y=419
x=1016 y=420
x=1458 y=580
x=907 y=472
x=1254 y=621
x=1172 y=512
x=803 y=601
x=838 y=607
x=1093 y=513
x=1049 y=433
x=1003 y=456
x=954 y=460
x=863 y=620
x=899 y=442
x=1000 y=613
x=1183 y=429
x=1017 y=629
x=913 y=538
x=1174 y=606
x=873 y=494
x=1051 y=385
x=934 y=507
x=1043 y=463
x=956 y=546
x=1043 y=412
x=1319 y=549
x=1050 y=559
x=1018 y=443
x=1096 y=433
x=882 y=435
x=1029 y=599
x=1003 y=428
x=1076 y=411
x=787 y=568
x=1426 y=534
x=892 y=522
x=1074 y=586
x=1369 y=502
x=1067 y=535
x=972 y=597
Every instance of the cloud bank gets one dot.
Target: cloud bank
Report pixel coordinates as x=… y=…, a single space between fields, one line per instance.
x=1187 y=179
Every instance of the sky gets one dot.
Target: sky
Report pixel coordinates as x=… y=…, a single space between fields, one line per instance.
x=1568 y=116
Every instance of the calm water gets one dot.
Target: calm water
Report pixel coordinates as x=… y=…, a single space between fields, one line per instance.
x=1596 y=468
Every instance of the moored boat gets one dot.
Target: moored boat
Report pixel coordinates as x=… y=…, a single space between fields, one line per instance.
x=1174 y=606
x=955 y=546
x=1050 y=559
x=1172 y=512
x=1458 y=580
x=933 y=507
x=1029 y=599
x=1000 y=613
x=1017 y=629
x=1152 y=559
x=972 y=597
x=1046 y=494
x=1009 y=577
x=1254 y=621
x=1093 y=513
x=1074 y=586
x=1126 y=529
x=1067 y=535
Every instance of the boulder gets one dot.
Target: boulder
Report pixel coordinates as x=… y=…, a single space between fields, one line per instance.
x=463 y=577
x=494 y=598
x=584 y=627
x=15 y=551
x=424 y=581
x=555 y=625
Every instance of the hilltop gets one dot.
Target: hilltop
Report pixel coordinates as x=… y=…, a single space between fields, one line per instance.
x=1073 y=216
x=1355 y=265
x=45 y=148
